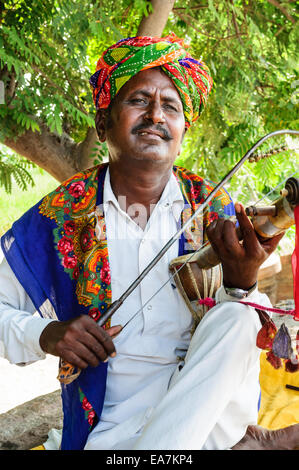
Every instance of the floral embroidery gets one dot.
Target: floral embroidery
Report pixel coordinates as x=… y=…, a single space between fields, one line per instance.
x=69 y=262
x=195 y=191
x=94 y=313
x=77 y=189
x=87 y=407
x=194 y=232
x=105 y=272
x=65 y=245
x=69 y=227
x=83 y=255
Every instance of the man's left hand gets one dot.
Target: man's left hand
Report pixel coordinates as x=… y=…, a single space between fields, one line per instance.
x=240 y=260
x=258 y=438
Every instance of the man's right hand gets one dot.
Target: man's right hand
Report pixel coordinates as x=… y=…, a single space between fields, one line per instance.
x=80 y=341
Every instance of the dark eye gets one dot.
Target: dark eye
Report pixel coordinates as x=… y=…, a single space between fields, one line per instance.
x=138 y=100
x=170 y=107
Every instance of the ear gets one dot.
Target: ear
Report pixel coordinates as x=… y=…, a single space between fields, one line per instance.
x=183 y=135
x=100 y=121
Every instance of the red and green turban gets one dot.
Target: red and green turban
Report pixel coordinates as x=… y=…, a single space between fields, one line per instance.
x=129 y=56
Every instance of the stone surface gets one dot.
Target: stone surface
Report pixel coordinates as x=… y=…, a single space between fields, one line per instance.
x=285 y=279
x=290 y=323
x=27 y=425
x=19 y=384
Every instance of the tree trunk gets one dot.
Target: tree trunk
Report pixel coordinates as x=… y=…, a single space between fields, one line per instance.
x=60 y=155
x=53 y=153
x=154 y=23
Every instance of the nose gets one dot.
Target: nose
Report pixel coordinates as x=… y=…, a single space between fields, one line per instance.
x=155 y=112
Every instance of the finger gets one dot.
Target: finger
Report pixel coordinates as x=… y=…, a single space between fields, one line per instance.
x=72 y=358
x=103 y=337
x=214 y=233
x=85 y=354
x=114 y=331
x=250 y=240
x=95 y=348
x=231 y=239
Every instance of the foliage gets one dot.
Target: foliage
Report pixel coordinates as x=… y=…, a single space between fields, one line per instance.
x=16 y=169
x=14 y=204
x=49 y=50
x=250 y=47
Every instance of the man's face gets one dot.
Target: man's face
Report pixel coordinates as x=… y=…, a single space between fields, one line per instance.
x=146 y=121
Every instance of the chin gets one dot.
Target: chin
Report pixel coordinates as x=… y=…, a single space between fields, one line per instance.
x=154 y=161
x=154 y=157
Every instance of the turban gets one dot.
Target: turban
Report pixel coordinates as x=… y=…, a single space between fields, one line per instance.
x=127 y=57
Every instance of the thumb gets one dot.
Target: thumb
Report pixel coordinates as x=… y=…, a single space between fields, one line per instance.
x=114 y=330
x=270 y=244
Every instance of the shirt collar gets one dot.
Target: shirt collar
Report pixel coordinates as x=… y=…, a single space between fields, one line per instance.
x=171 y=195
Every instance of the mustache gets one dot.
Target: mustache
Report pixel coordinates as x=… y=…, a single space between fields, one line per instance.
x=158 y=128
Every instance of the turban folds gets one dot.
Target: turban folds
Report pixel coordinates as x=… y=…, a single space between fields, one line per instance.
x=127 y=57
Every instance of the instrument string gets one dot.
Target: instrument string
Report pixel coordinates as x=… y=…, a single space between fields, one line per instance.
x=188 y=259
x=165 y=283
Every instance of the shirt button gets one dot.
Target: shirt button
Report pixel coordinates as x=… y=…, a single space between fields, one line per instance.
x=149 y=307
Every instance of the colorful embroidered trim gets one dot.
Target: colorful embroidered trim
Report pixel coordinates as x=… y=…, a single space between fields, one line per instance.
x=89 y=412
x=82 y=254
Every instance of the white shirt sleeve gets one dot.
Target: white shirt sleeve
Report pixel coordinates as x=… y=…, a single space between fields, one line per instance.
x=20 y=324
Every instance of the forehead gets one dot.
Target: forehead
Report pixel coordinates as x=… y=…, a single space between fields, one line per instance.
x=150 y=80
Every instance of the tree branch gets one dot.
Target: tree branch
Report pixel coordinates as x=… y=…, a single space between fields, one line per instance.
x=82 y=152
x=236 y=25
x=197 y=7
x=75 y=92
x=283 y=10
x=154 y=23
x=48 y=150
x=190 y=22
x=58 y=87
x=11 y=83
x=280 y=30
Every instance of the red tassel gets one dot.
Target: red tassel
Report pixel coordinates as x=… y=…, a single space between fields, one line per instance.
x=292 y=365
x=275 y=361
x=208 y=301
x=265 y=336
x=295 y=264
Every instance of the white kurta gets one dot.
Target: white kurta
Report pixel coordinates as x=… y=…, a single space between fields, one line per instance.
x=212 y=398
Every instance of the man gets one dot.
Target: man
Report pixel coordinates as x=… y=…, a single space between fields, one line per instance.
x=129 y=389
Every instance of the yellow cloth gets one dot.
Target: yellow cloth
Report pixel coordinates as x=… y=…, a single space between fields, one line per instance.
x=279 y=405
